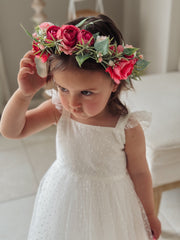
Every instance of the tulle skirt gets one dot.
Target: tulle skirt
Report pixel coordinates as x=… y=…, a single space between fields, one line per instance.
x=73 y=207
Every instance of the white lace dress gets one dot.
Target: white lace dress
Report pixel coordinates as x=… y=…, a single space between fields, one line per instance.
x=87 y=193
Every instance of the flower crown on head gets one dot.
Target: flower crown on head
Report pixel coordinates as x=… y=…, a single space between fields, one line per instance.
x=122 y=62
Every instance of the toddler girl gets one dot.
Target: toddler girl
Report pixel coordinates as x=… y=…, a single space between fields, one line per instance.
x=99 y=187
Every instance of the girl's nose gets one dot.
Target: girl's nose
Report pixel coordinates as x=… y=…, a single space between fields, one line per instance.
x=74 y=101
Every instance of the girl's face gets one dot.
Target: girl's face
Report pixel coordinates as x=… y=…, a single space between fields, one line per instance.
x=84 y=93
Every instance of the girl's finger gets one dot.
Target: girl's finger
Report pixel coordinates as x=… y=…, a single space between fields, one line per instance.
x=25 y=70
x=29 y=54
x=27 y=62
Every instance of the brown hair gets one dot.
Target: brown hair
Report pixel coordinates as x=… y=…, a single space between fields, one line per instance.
x=105 y=27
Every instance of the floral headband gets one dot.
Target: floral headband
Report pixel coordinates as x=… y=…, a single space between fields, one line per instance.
x=122 y=62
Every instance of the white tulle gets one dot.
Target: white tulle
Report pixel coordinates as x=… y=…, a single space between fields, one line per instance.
x=55 y=98
x=142 y=117
x=87 y=194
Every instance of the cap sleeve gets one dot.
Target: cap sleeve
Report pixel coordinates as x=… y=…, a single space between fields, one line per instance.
x=55 y=98
x=140 y=117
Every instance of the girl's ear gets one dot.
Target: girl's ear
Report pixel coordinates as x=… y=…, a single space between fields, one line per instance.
x=114 y=87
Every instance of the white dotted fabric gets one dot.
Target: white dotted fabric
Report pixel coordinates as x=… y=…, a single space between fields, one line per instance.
x=87 y=193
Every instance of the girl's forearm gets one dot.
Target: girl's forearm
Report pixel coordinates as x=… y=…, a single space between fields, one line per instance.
x=14 y=115
x=143 y=187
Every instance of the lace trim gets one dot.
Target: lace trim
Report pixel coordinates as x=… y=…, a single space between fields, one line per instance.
x=146 y=222
x=55 y=98
x=142 y=117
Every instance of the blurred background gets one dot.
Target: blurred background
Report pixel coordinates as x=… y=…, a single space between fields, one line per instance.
x=152 y=25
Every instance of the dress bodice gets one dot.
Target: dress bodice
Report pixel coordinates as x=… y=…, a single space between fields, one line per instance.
x=91 y=150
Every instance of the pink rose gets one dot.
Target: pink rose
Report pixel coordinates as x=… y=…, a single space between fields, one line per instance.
x=38 y=52
x=120 y=48
x=45 y=25
x=84 y=36
x=52 y=32
x=68 y=35
x=35 y=35
x=121 y=70
x=128 y=46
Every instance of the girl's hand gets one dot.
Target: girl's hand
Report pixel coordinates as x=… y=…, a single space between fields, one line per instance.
x=155 y=226
x=28 y=79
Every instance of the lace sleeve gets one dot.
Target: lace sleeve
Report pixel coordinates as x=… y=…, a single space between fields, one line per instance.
x=55 y=98
x=142 y=117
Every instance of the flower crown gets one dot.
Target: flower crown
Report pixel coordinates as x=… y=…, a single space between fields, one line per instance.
x=122 y=62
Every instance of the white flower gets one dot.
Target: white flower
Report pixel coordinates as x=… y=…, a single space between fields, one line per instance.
x=101 y=38
x=111 y=63
x=41 y=46
x=99 y=54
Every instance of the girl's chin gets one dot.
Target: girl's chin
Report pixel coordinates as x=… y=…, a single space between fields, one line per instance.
x=80 y=116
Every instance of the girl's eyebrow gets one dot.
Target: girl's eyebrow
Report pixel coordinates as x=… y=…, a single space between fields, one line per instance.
x=57 y=84
x=86 y=89
x=89 y=89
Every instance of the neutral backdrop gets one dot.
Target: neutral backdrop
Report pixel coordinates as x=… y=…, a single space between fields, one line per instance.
x=154 y=26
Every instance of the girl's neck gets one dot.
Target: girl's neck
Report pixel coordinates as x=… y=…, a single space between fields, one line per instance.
x=104 y=120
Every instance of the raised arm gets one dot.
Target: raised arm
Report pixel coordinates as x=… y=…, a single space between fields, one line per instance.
x=17 y=121
x=138 y=169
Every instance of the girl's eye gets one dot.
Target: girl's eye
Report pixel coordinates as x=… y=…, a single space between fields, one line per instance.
x=86 y=93
x=63 y=89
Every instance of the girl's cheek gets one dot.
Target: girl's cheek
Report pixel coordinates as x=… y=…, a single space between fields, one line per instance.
x=64 y=101
x=92 y=107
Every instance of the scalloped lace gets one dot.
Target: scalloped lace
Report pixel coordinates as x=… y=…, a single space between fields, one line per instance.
x=142 y=117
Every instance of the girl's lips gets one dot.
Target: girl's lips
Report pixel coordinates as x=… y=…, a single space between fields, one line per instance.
x=79 y=110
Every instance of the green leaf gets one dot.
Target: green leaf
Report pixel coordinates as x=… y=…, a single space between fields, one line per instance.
x=129 y=51
x=141 y=64
x=28 y=33
x=95 y=35
x=81 y=23
x=102 y=46
x=82 y=58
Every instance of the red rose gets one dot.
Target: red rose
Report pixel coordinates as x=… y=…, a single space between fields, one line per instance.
x=120 y=48
x=68 y=35
x=52 y=32
x=85 y=36
x=129 y=57
x=121 y=70
x=38 y=52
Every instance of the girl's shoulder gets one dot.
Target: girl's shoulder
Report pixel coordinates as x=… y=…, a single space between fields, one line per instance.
x=133 y=119
x=133 y=123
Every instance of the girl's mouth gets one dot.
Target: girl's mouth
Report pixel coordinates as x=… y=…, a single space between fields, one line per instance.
x=77 y=110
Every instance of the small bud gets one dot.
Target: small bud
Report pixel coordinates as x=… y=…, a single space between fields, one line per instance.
x=100 y=59
x=111 y=63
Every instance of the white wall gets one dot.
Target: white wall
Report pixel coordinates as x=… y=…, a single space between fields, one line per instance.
x=154 y=26
x=155 y=20
x=174 y=38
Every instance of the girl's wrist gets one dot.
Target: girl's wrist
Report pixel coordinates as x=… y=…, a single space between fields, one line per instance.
x=151 y=214
x=23 y=96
